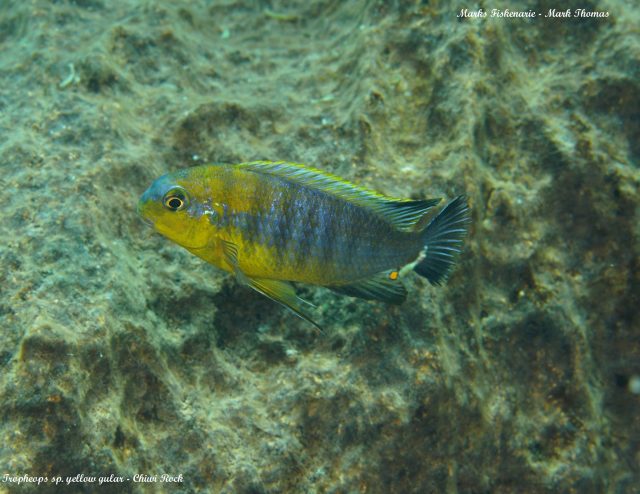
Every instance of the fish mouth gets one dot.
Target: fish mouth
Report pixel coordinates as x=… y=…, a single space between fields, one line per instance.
x=146 y=221
x=141 y=215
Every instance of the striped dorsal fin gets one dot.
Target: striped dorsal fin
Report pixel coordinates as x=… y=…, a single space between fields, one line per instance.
x=402 y=213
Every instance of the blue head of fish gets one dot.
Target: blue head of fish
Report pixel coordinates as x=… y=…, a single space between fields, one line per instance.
x=167 y=206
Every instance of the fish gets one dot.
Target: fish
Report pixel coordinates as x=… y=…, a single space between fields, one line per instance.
x=275 y=223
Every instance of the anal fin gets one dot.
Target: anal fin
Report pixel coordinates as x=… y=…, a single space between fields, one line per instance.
x=383 y=286
x=283 y=293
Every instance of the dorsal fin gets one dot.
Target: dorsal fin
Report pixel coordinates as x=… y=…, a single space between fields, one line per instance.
x=402 y=213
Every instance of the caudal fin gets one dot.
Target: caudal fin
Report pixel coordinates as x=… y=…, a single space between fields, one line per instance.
x=442 y=241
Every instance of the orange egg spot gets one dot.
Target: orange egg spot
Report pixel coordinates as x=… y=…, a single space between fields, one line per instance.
x=393 y=275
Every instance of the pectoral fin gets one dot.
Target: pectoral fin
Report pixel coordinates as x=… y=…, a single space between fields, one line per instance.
x=230 y=254
x=383 y=286
x=283 y=293
x=278 y=291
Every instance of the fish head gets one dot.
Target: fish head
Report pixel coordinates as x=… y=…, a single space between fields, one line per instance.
x=172 y=206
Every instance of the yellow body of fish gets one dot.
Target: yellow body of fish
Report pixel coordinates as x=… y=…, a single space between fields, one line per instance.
x=271 y=223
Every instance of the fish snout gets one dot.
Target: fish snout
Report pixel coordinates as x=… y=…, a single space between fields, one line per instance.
x=141 y=209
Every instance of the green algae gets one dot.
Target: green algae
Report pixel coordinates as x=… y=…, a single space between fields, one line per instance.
x=122 y=354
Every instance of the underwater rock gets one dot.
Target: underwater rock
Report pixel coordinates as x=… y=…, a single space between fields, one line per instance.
x=121 y=355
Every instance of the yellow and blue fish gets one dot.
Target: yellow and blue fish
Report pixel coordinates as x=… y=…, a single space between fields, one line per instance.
x=273 y=223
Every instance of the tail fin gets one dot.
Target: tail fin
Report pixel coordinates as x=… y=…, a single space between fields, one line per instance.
x=442 y=241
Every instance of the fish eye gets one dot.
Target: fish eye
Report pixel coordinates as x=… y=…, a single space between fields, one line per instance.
x=175 y=200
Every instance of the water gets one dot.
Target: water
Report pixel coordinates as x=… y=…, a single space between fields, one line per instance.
x=124 y=358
